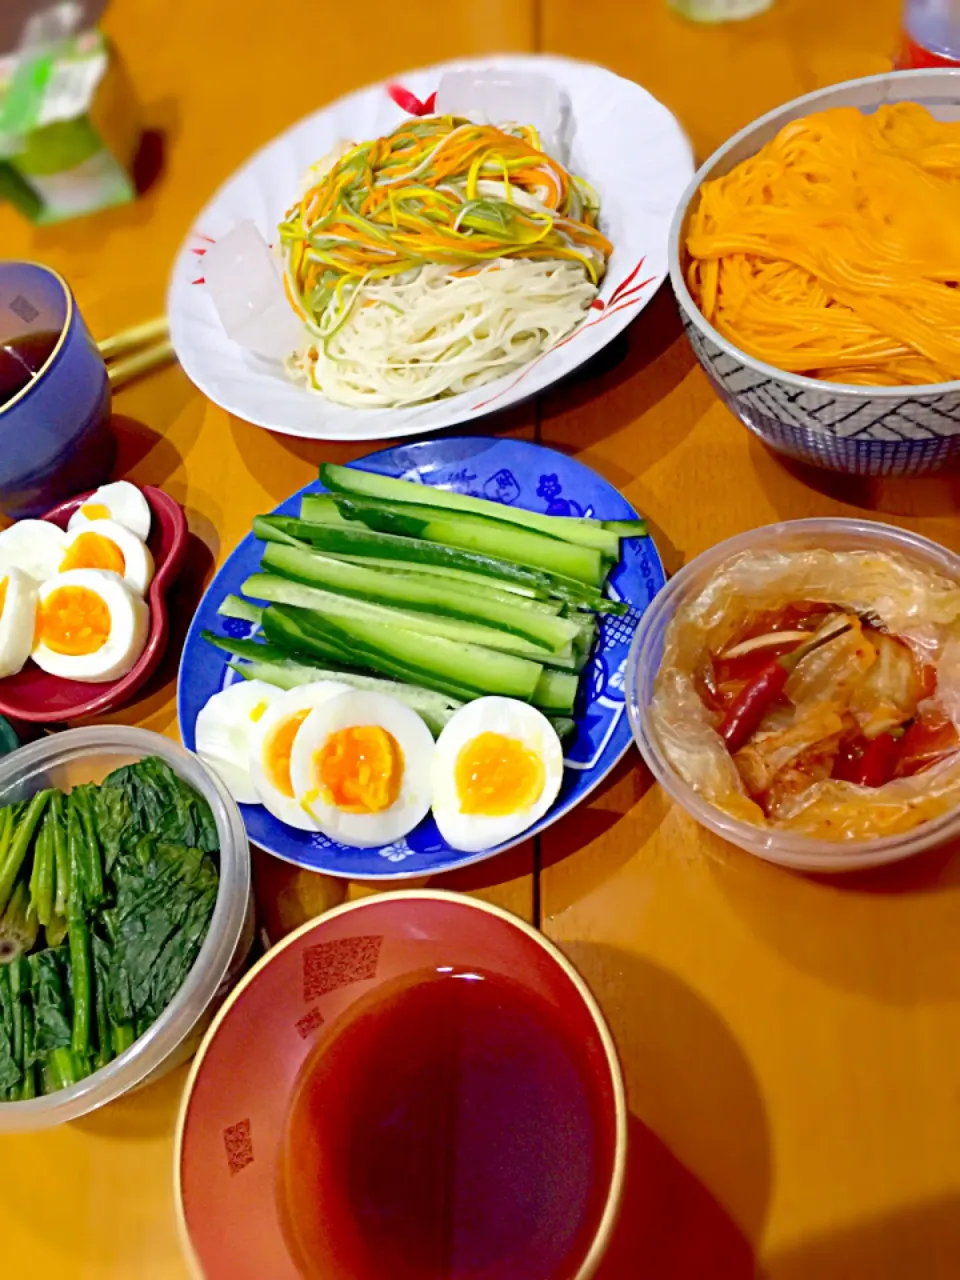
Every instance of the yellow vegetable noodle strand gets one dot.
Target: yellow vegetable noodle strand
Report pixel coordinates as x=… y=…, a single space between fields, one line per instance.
x=435 y=259
x=835 y=251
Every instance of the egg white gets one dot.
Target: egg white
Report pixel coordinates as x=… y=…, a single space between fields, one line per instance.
x=473 y=832
x=33 y=546
x=137 y=557
x=129 y=627
x=224 y=731
x=18 y=620
x=125 y=504
x=292 y=702
x=351 y=709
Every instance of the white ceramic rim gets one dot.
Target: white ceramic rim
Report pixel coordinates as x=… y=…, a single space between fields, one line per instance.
x=679 y=284
x=608 y=1218
x=800 y=853
x=148 y=1051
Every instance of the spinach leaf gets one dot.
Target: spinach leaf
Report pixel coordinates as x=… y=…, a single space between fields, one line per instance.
x=166 y=894
x=9 y=1070
x=51 y=986
x=148 y=798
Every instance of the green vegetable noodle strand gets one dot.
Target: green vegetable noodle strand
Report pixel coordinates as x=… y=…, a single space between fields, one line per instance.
x=42 y=881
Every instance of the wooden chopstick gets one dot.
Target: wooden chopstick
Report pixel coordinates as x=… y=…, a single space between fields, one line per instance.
x=145 y=347
x=138 y=335
x=124 y=371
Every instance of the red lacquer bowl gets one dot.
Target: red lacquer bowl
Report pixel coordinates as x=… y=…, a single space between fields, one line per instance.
x=35 y=696
x=293 y=1013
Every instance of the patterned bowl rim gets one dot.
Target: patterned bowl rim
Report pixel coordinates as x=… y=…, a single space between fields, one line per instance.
x=917 y=390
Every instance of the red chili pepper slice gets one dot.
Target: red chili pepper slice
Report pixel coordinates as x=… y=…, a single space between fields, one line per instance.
x=752 y=703
x=878 y=762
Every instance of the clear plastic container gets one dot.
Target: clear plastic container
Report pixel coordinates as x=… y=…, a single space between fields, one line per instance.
x=88 y=755
x=802 y=853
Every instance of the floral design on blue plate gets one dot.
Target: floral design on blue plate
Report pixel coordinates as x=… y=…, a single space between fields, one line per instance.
x=517 y=473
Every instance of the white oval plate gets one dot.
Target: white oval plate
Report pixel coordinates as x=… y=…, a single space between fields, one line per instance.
x=625 y=143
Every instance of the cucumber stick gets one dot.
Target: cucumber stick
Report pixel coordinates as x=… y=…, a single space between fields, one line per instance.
x=367 y=484
x=237 y=607
x=493 y=588
x=435 y=708
x=306 y=635
x=356 y=540
x=556 y=692
x=420 y=594
x=478 y=534
x=427 y=657
x=277 y=590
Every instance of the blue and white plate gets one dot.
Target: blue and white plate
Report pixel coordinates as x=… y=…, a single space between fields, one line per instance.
x=510 y=471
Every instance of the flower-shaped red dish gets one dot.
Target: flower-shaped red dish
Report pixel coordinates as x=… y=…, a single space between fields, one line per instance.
x=33 y=695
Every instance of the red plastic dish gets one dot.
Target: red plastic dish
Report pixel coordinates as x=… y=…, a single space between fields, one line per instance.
x=34 y=696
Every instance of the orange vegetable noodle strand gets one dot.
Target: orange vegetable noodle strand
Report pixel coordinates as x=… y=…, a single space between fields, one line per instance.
x=835 y=251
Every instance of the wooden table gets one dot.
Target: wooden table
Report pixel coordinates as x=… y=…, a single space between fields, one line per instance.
x=789 y=1042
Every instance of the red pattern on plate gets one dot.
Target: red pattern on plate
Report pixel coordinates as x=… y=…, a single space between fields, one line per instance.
x=39 y=698
x=621 y=298
x=309 y=1023
x=410 y=103
x=329 y=965
x=238 y=1142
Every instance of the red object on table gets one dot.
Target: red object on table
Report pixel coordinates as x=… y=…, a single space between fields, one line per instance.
x=914 y=56
x=37 y=697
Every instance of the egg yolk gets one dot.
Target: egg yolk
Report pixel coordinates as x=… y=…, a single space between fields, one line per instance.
x=74 y=621
x=360 y=769
x=96 y=511
x=496 y=775
x=279 y=749
x=3 y=593
x=93 y=551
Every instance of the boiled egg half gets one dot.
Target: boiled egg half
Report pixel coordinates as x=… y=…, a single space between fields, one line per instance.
x=360 y=767
x=104 y=544
x=271 y=748
x=90 y=626
x=18 y=616
x=497 y=770
x=224 y=731
x=120 y=501
x=35 y=547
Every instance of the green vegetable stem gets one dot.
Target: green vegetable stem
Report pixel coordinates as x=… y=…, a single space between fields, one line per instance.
x=78 y=937
x=43 y=877
x=20 y=844
x=19 y=925
x=61 y=855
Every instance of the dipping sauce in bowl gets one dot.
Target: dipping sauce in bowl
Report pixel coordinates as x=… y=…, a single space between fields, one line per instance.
x=414 y=1086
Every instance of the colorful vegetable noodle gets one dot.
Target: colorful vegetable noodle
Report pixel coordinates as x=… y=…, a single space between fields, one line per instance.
x=835 y=251
x=439 y=257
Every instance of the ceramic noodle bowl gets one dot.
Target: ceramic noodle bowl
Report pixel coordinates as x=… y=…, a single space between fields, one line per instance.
x=859 y=430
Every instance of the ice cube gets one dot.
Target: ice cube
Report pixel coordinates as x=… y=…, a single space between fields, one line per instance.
x=491 y=96
x=243 y=279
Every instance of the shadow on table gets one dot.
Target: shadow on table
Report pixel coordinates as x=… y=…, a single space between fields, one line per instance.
x=269 y=456
x=148 y=1113
x=881 y=932
x=699 y=1169
x=936 y=495
x=622 y=382
x=921 y=1241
